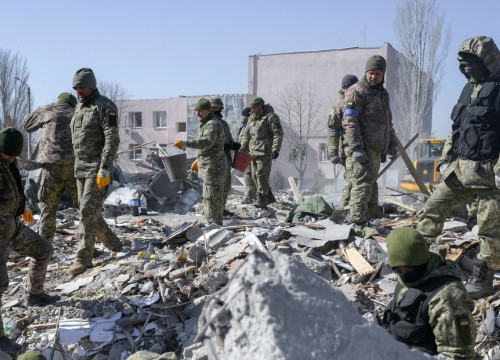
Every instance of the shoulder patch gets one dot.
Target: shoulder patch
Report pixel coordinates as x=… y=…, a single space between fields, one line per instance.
x=464 y=332
x=112 y=119
x=247 y=128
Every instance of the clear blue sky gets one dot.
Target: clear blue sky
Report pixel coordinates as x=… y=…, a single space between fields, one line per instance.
x=166 y=48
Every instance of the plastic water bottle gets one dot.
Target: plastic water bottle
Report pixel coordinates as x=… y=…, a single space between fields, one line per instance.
x=143 y=203
x=134 y=204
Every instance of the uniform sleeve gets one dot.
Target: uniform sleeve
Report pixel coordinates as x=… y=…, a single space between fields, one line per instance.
x=446 y=155
x=37 y=119
x=450 y=316
x=334 y=129
x=109 y=123
x=277 y=131
x=353 y=106
x=207 y=139
x=245 y=136
x=393 y=140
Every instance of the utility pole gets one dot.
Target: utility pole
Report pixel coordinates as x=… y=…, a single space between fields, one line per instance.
x=29 y=111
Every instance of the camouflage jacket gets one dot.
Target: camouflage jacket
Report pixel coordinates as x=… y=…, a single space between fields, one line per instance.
x=335 y=131
x=228 y=137
x=94 y=129
x=367 y=118
x=475 y=174
x=450 y=313
x=241 y=131
x=55 y=146
x=212 y=162
x=12 y=198
x=263 y=133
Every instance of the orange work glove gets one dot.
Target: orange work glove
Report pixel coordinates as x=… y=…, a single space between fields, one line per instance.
x=103 y=178
x=194 y=167
x=179 y=144
x=28 y=217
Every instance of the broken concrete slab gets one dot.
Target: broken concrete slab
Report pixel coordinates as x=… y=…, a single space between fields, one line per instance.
x=322 y=269
x=455 y=226
x=256 y=323
x=331 y=231
x=216 y=238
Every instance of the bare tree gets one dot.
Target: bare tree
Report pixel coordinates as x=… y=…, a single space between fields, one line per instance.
x=13 y=93
x=424 y=38
x=116 y=93
x=299 y=107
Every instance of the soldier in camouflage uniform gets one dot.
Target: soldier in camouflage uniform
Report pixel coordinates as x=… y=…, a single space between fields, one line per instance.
x=262 y=138
x=336 y=142
x=211 y=159
x=430 y=310
x=470 y=162
x=229 y=144
x=94 y=130
x=17 y=236
x=55 y=156
x=250 y=191
x=370 y=137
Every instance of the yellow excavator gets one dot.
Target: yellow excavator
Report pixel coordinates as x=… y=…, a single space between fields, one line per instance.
x=428 y=153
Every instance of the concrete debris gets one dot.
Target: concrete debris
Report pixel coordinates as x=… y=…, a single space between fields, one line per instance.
x=255 y=323
x=175 y=275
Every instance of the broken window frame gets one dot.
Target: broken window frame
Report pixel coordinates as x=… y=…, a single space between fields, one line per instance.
x=135 y=119
x=135 y=154
x=183 y=124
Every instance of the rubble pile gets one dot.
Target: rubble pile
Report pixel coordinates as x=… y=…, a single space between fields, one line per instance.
x=181 y=287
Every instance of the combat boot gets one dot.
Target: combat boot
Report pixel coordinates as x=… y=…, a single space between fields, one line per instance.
x=77 y=268
x=260 y=203
x=10 y=347
x=40 y=299
x=270 y=197
x=481 y=282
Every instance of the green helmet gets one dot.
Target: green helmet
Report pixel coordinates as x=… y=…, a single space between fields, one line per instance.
x=32 y=355
x=256 y=101
x=216 y=102
x=203 y=104
x=66 y=98
x=407 y=247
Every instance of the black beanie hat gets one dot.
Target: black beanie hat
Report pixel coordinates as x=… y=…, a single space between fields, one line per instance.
x=246 y=112
x=11 y=141
x=348 y=81
x=84 y=78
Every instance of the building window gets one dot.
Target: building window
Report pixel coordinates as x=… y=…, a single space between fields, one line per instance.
x=135 y=119
x=135 y=152
x=160 y=119
x=323 y=152
x=181 y=127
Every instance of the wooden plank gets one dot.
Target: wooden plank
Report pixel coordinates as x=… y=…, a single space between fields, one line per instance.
x=296 y=193
x=411 y=168
x=394 y=158
x=400 y=204
x=358 y=262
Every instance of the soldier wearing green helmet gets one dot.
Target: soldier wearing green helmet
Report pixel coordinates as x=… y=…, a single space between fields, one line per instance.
x=430 y=310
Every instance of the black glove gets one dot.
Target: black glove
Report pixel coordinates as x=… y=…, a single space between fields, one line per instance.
x=336 y=160
x=383 y=158
x=275 y=155
x=393 y=151
x=236 y=146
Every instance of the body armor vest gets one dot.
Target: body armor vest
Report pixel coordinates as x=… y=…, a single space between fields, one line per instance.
x=408 y=321
x=476 y=123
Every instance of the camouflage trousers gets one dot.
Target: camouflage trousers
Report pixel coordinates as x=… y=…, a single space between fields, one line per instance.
x=346 y=192
x=250 y=190
x=92 y=224
x=213 y=200
x=446 y=197
x=261 y=171
x=227 y=186
x=55 y=180
x=20 y=238
x=364 y=187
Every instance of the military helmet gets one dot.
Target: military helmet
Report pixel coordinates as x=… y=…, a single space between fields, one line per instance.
x=256 y=101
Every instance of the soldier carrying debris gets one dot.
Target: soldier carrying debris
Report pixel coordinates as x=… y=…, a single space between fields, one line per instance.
x=336 y=141
x=55 y=156
x=430 y=310
x=262 y=138
x=211 y=160
x=470 y=162
x=94 y=129
x=14 y=234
